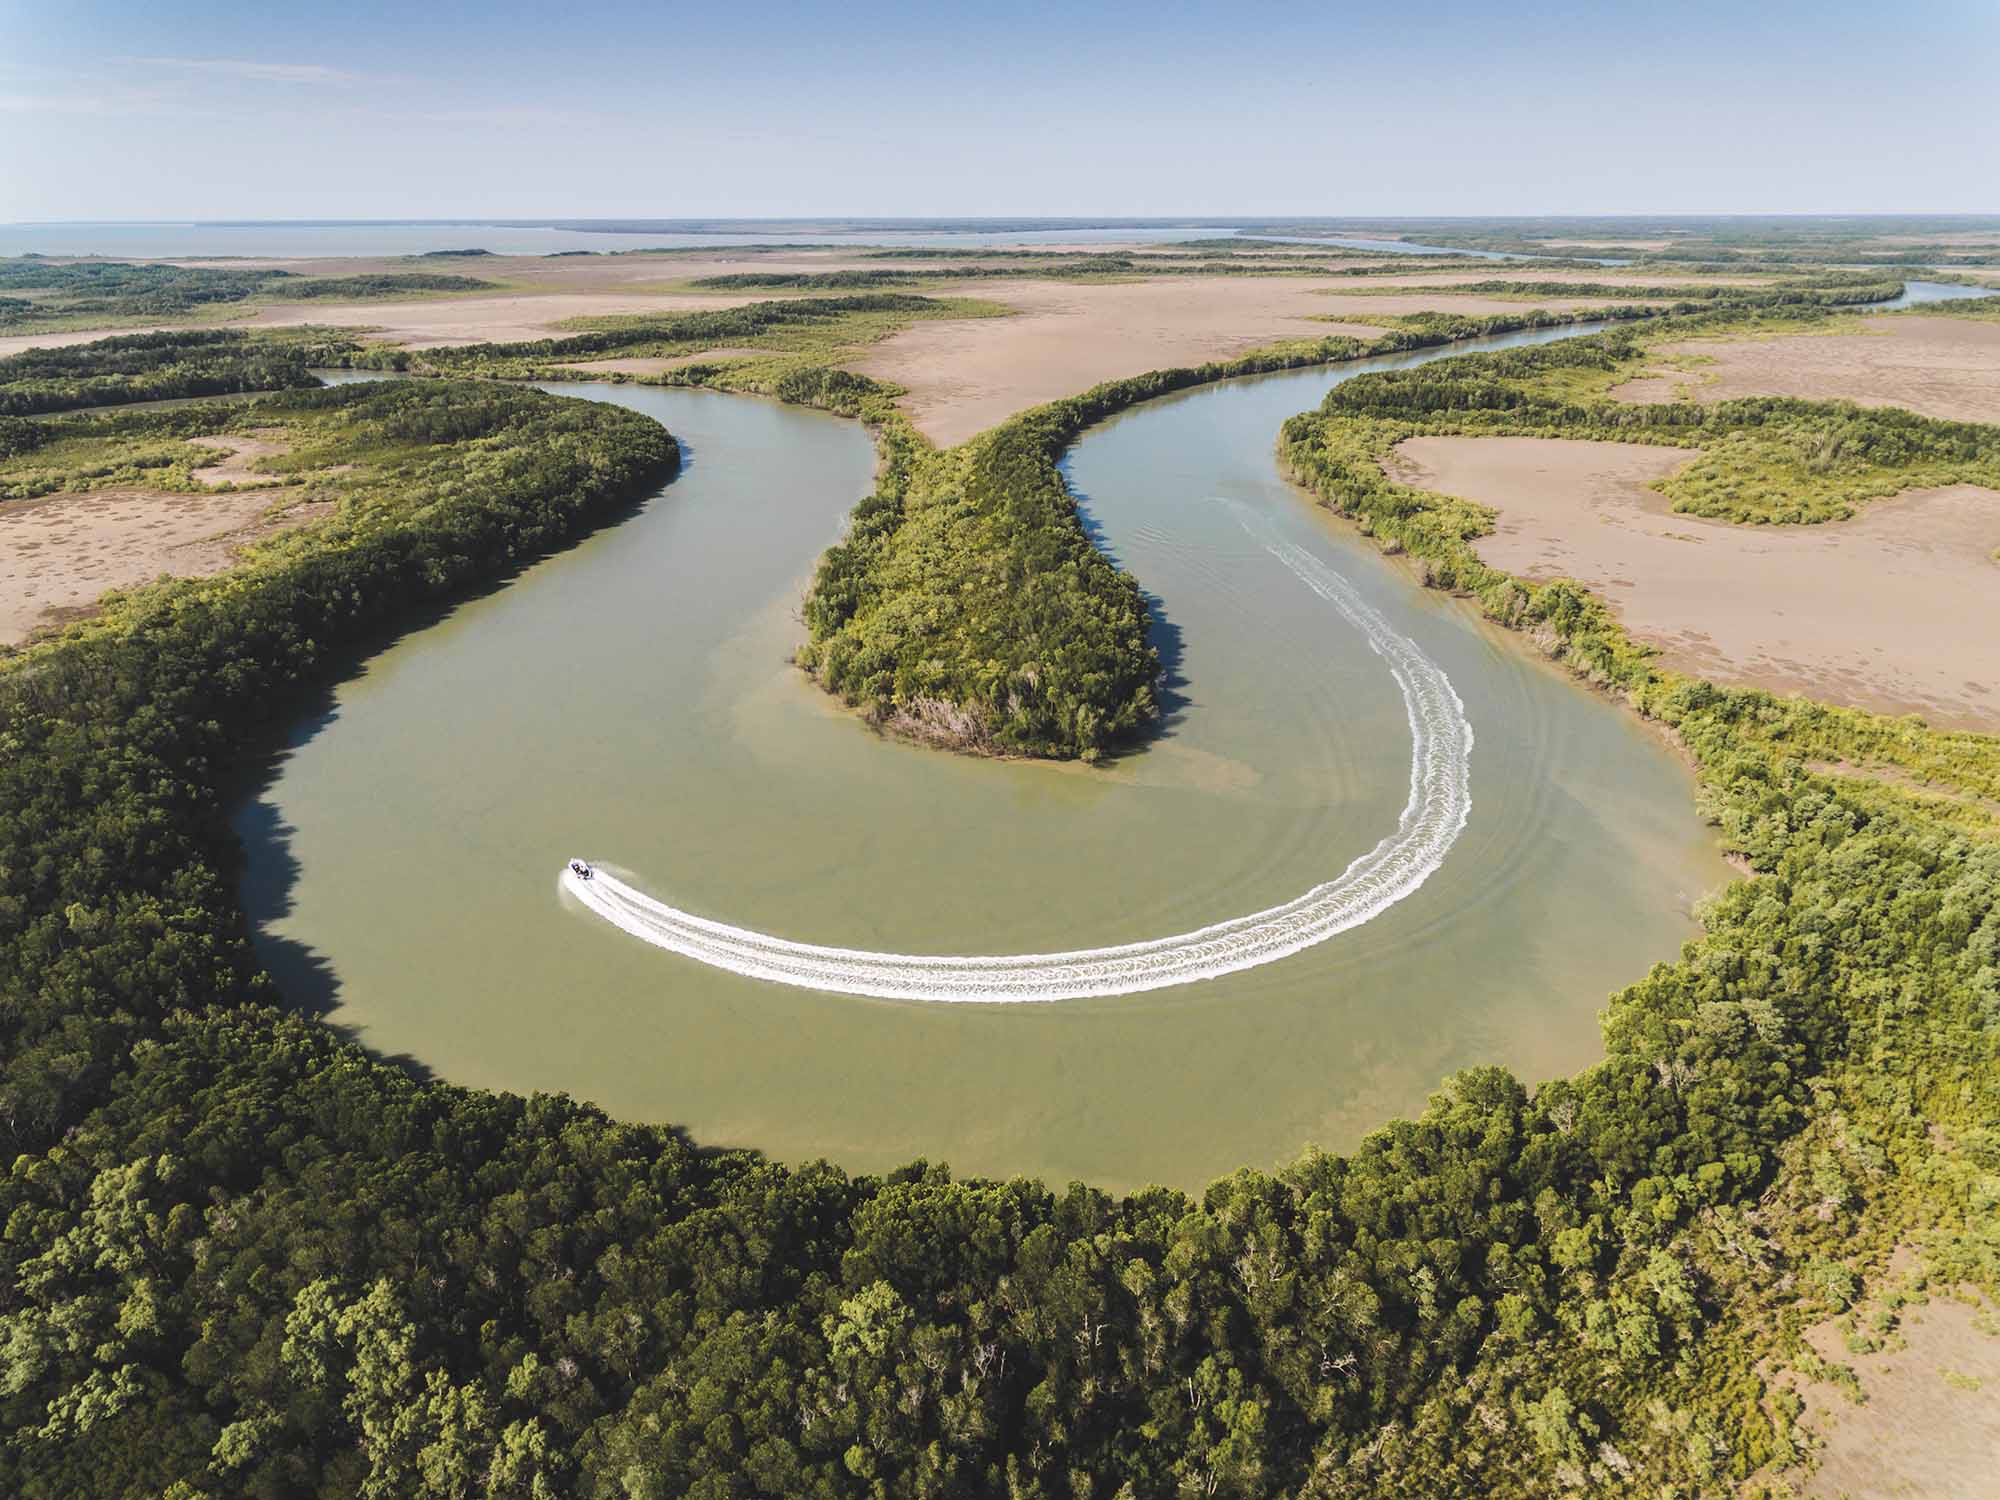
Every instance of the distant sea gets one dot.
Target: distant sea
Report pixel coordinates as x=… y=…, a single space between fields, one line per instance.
x=408 y=237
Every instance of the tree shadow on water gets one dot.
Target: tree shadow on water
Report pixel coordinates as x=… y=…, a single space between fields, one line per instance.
x=1163 y=635
x=268 y=868
x=267 y=880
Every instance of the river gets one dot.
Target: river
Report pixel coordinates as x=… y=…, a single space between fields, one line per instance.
x=630 y=700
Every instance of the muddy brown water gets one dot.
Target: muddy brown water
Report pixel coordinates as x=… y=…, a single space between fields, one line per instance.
x=631 y=701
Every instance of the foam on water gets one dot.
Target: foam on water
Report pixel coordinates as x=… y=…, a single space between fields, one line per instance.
x=1439 y=804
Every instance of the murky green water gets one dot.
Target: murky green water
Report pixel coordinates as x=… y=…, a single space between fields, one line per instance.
x=631 y=701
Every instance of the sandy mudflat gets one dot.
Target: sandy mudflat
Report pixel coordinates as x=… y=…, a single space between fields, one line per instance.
x=1897 y=610
x=483 y=320
x=965 y=376
x=1940 y=366
x=60 y=553
x=1931 y=1424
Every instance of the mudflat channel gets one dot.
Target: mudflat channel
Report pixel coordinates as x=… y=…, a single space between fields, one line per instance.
x=631 y=701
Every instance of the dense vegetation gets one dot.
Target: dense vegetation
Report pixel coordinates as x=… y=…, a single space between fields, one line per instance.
x=146 y=367
x=120 y=288
x=379 y=284
x=1986 y=309
x=88 y=293
x=967 y=606
x=241 y=1257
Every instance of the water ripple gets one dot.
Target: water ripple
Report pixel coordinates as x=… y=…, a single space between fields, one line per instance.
x=1439 y=804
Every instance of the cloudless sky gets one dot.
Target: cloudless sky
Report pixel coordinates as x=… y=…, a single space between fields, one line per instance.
x=145 y=109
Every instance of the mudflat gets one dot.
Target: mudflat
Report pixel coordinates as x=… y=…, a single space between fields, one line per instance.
x=1931 y=1423
x=480 y=319
x=1897 y=610
x=963 y=377
x=1939 y=366
x=60 y=553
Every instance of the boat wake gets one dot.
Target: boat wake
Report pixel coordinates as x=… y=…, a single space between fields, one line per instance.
x=1439 y=804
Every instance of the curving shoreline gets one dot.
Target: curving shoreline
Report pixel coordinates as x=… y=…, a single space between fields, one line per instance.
x=1440 y=803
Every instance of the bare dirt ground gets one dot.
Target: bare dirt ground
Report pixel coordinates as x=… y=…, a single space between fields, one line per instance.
x=965 y=376
x=1939 y=366
x=1897 y=610
x=1930 y=1427
x=481 y=319
x=59 y=554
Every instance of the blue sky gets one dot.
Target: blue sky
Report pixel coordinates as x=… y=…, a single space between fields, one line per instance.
x=598 y=108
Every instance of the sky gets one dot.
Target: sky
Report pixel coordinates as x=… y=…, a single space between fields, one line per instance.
x=137 y=109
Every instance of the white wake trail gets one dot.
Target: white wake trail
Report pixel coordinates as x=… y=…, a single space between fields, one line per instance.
x=1440 y=802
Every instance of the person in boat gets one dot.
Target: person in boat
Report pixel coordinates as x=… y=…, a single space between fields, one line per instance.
x=583 y=871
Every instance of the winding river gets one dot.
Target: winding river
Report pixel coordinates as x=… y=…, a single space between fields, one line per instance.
x=632 y=697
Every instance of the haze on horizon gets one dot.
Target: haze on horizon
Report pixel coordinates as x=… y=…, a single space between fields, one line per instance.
x=116 y=110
